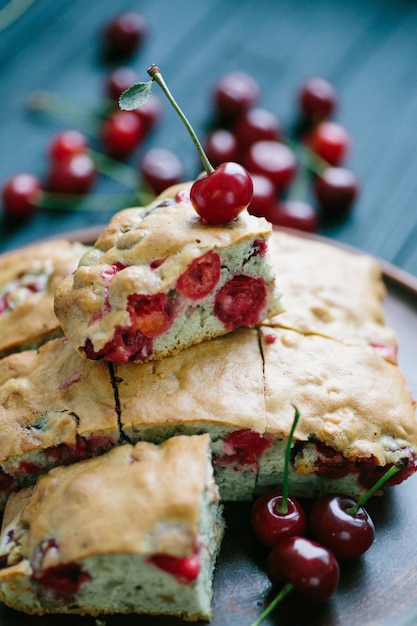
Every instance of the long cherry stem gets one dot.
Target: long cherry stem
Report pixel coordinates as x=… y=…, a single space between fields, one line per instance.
x=388 y=474
x=283 y=507
x=281 y=595
x=155 y=73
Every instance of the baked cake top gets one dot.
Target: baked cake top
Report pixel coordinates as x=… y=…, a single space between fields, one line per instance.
x=89 y=508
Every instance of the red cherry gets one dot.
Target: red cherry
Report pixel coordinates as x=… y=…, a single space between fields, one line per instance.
x=20 y=194
x=122 y=132
x=234 y=93
x=346 y=535
x=271 y=525
x=67 y=143
x=310 y=568
x=150 y=315
x=294 y=214
x=220 y=196
x=330 y=141
x=118 y=81
x=258 y=124
x=317 y=99
x=264 y=198
x=185 y=569
x=160 y=169
x=74 y=175
x=240 y=301
x=124 y=34
x=220 y=146
x=274 y=160
x=336 y=189
x=200 y=277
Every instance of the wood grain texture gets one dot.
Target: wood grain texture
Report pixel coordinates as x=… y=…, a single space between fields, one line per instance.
x=368 y=52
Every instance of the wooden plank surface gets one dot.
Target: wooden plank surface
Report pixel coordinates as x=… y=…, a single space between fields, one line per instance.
x=368 y=51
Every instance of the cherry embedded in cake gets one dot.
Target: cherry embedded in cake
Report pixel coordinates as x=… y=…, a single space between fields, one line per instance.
x=159 y=279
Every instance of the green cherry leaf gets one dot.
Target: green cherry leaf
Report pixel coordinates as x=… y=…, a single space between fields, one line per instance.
x=137 y=95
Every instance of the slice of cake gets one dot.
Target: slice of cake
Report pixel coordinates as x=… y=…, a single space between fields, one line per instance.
x=332 y=292
x=159 y=280
x=55 y=408
x=357 y=416
x=28 y=279
x=136 y=530
x=216 y=387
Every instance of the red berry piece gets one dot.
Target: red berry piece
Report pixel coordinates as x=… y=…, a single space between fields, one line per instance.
x=330 y=141
x=243 y=447
x=67 y=143
x=317 y=99
x=234 y=93
x=220 y=196
x=200 y=277
x=240 y=301
x=121 y=134
x=126 y=345
x=73 y=175
x=294 y=214
x=185 y=569
x=160 y=169
x=336 y=189
x=264 y=198
x=65 y=579
x=271 y=522
x=258 y=124
x=274 y=160
x=310 y=568
x=20 y=195
x=118 y=81
x=150 y=113
x=346 y=535
x=150 y=315
x=124 y=34
x=221 y=146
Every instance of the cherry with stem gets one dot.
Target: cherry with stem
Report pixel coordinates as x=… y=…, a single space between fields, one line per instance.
x=223 y=192
x=275 y=515
x=342 y=524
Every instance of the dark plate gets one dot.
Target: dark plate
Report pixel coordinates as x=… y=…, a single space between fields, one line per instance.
x=380 y=589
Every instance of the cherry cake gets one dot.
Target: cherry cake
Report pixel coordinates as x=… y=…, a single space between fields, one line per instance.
x=55 y=408
x=28 y=279
x=160 y=279
x=127 y=532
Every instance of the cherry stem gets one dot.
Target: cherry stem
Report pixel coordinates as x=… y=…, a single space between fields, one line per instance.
x=281 y=595
x=388 y=474
x=283 y=507
x=155 y=73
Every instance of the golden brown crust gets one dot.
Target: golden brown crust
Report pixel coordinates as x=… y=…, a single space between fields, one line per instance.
x=329 y=291
x=32 y=316
x=89 y=508
x=51 y=396
x=349 y=397
x=218 y=382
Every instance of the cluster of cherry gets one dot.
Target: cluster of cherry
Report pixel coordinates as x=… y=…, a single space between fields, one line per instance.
x=73 y=166
x=305 y=550
x=245 y=133
x=286 y=172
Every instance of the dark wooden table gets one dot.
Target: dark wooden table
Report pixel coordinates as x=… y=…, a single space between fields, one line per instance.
x=369 y=51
